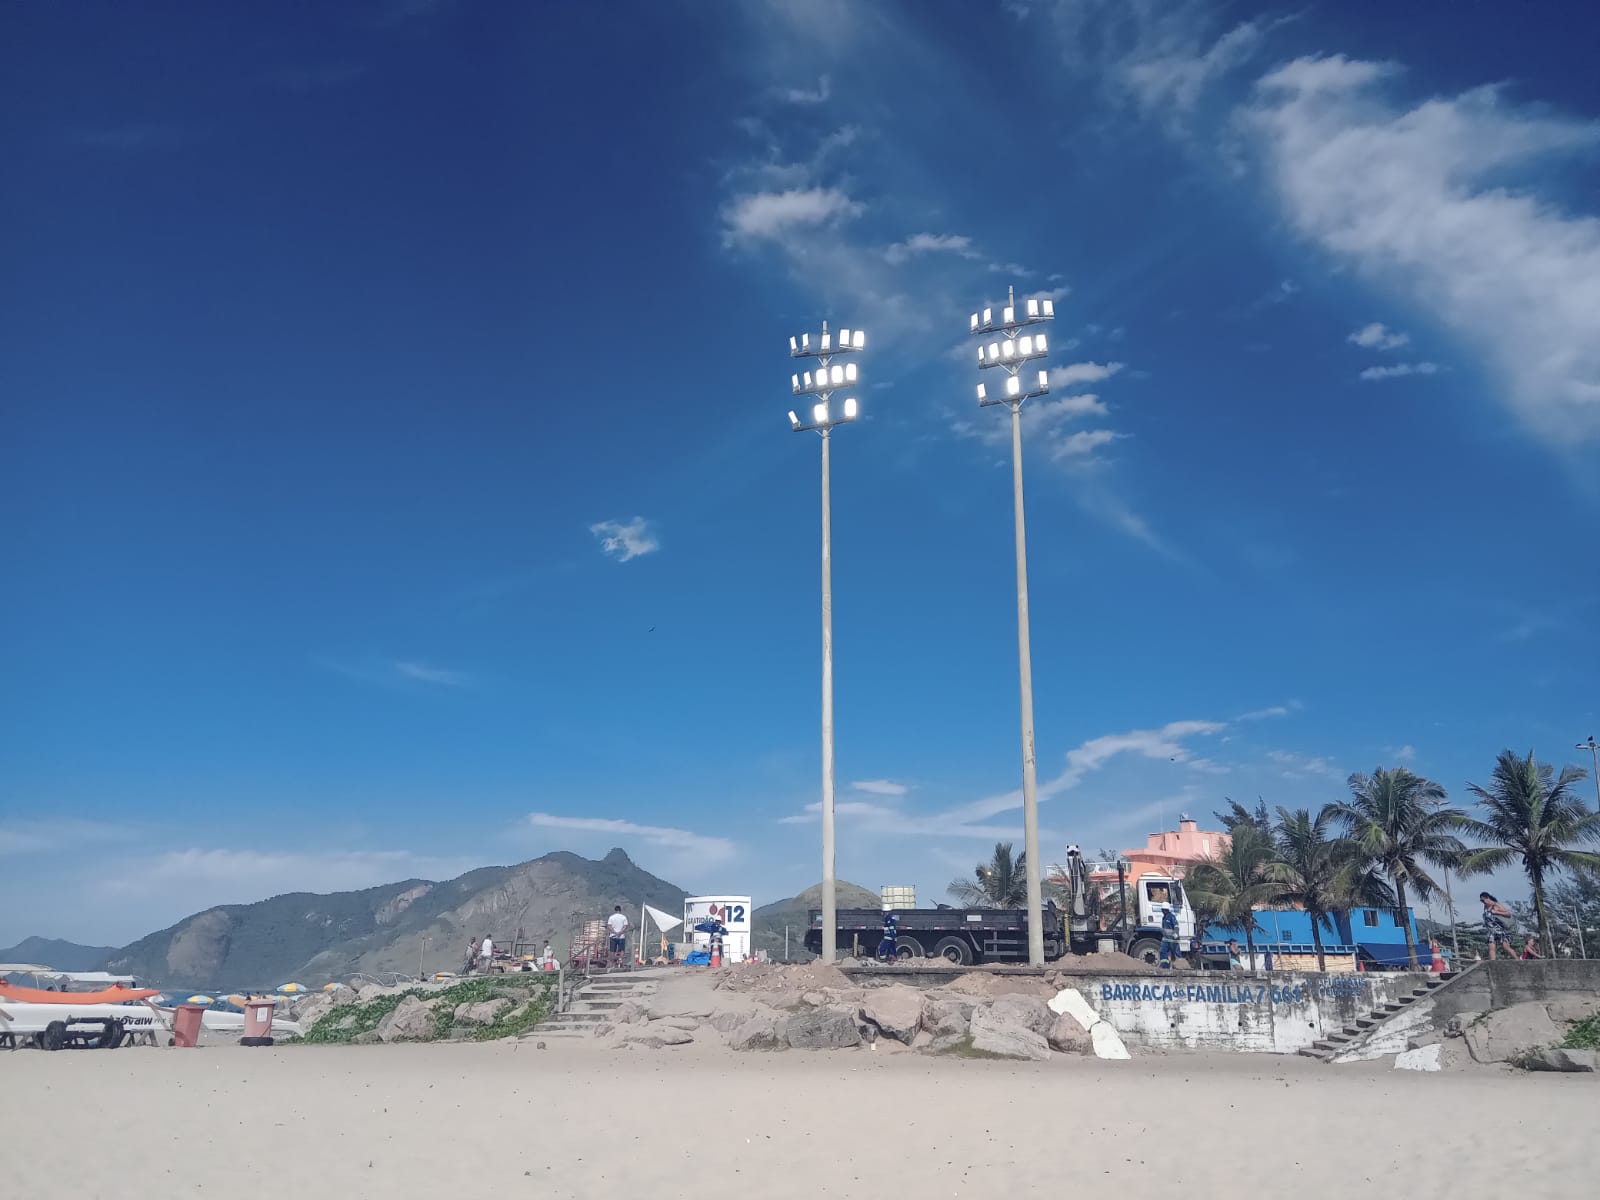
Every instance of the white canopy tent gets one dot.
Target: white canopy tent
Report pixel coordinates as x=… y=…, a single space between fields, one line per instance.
x=665 y=923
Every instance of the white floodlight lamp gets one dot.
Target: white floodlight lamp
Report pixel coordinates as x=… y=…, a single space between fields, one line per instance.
x=850 y=409
x=805 y=341
x=861 y=340
x=795 y=381
x=827 y=339
x=849 y=372
x=794 y=421
x=974 y=322
x=844 y=339
x=1013 y=385
x=1010 y=315
x=983 y=394
x=819 y=414
x=1033 y=306
x=1025 y=346
x=794 y=346
x=988 y=317
x=1044 y=381
x=1050 y=309
x=1039 y=344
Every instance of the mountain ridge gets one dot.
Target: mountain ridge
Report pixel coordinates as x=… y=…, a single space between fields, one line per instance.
x=405 y=926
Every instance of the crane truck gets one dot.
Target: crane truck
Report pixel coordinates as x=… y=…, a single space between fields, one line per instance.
x=1095 y=914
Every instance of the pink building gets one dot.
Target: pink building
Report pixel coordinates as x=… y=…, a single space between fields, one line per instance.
x=1169 y=853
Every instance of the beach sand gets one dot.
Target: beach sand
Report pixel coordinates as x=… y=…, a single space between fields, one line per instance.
x=702 y=1121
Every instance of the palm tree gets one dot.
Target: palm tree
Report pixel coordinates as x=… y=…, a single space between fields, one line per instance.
x=1237 y=814
x=1001 y=882
x=1322 y=875
x=1228 y=885
x=1399 y=821
x=1537 y=817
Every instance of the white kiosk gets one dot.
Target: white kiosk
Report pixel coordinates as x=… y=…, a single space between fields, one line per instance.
x=733 y=911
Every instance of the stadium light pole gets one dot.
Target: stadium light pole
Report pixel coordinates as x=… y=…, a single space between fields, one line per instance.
x=1010 y=349
x=1593 y=747
x=820 y=383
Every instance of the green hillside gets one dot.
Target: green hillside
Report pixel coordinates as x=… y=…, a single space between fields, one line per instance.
x=768 y=921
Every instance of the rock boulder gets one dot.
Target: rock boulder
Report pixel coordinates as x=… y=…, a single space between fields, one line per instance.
x=1069 y=1037
x=1553 y=1059
x=411 y=1021
x=896 y=1011
x=1006 y=1032
x=485 y=1012
x=1510 y=1033
x=827 y=1028
x=761 y=1031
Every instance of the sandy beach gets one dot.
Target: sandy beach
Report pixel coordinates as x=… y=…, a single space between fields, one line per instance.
x=700 y=1121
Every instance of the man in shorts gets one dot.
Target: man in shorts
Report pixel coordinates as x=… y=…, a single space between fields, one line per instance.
x=617 y=924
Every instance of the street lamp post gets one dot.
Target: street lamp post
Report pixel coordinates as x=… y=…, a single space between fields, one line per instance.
x=821 y=382
x=1009 y=348
x=1593 y=747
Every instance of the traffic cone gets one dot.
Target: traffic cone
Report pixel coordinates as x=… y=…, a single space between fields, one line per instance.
x=716 y=952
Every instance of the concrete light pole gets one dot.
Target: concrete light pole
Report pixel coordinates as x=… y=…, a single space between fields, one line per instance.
x=1593 y=747
x=1011 y=349
x=821 y=383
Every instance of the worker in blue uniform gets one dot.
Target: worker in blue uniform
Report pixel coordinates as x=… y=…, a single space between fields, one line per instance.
x=1169 y=935
x=889 y=944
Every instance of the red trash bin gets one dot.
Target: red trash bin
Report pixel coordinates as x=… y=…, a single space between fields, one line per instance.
x=186 y=1025
x=257 y=1023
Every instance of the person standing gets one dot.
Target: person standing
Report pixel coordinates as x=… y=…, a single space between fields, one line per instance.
x=1235 y=955
x=889 y=943
x=486 y=954
x=1169 y=936
x=617 y=924
x=1495 y=923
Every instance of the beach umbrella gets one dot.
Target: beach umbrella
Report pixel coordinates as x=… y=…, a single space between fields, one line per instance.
x=197 y=999
x=333 y=987
x=289 y=989
x=235 y=999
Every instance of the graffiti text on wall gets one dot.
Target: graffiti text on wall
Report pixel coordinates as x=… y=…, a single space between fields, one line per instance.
x=1205 y=993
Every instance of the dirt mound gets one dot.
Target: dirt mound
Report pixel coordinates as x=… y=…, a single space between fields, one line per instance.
x=1098 y=964
x=986 y=984
x=793 y=977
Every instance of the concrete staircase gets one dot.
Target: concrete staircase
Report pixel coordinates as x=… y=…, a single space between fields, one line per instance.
x=594 y=1001
x=1325 y=1049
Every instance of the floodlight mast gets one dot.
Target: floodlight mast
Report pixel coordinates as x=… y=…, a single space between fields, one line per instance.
x=821 y=383
x=1010 y=349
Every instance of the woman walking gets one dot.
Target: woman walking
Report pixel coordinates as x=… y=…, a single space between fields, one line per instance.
x=1495 y=918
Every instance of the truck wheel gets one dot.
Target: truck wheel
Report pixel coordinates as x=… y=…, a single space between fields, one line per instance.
x=907 y=948
x=1146 y=950
x=953 y=950
x=55 y=1035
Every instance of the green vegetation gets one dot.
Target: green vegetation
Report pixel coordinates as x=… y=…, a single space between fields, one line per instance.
x=530 y=997
x=1231 y=884
x=1583 y=1035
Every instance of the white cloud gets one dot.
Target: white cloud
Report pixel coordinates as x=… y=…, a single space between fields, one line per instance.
x=624 y=540
x=1174 y=81
x=1298 y=766
x=423 y=673
x=930 y=243
x=1263 y=714
x=208 y=877
x=59 y=833
x=758 y=216
x=1082 y=444
x=1056 y=294
x=710 y=849
x=1378 y=336
x=880 y=787
x=1084 y=372
x=1405 y=754
x=1439 y=203
x=802 y=95
x=1399 y=371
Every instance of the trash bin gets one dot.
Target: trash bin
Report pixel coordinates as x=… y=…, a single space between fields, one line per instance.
x=186 y=1024
x=257 y=1023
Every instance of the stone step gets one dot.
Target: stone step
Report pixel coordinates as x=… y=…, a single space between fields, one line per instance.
x=1309 y=1052
x=1324 y=1044
x=1408 y=999
x=1365 y=1023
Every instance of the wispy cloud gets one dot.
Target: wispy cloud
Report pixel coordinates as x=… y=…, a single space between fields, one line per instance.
x=1399 y=371
x=1404 y=754
x=1438 y=202
x=930 y=243
x=711 y=849
x=1299 y=766
x=1268 y=713
x=423 y=673
x=59 y=833
x=1084 y=372
x=805 y=95
x=625 y=540
x=770 y=216
x=392 y=672
x=212 y=876
x=880 y=787
x=1378 y=336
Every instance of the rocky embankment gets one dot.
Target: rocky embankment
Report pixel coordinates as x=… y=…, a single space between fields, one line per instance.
x=815 y=1007
x=469 y=1010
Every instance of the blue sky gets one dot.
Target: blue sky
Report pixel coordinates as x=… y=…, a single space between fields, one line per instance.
x=396 y=475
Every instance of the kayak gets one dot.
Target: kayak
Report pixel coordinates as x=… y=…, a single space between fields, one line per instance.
x=117 y=995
